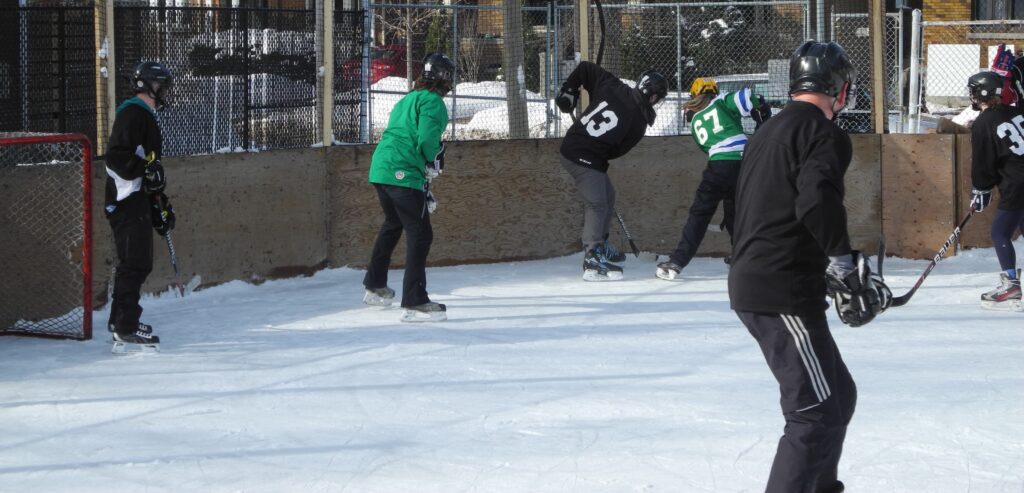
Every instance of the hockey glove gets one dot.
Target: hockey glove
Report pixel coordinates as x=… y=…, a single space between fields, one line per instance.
x=154 y=181
x=566 y=99
x=859 y=294
x=761 y=113
x=980 y=199
x=163 y=214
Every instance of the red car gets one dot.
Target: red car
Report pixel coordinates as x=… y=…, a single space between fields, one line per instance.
x=385 y=61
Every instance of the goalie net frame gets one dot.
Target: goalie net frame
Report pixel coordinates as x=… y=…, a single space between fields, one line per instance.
x=77 y=322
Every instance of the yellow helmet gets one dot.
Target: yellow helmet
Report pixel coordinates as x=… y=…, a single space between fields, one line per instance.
x=702 y=85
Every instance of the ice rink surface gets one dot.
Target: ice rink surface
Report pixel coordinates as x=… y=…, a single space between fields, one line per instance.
x=538 y=382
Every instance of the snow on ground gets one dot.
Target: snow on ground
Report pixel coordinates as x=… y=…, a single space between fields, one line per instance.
x=538 y=382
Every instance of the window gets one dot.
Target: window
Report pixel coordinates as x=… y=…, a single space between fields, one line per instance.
x=990 y=10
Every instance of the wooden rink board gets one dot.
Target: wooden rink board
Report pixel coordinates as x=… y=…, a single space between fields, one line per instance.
x=918 y=193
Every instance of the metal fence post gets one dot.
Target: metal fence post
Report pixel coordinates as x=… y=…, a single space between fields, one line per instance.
x=877 y=17
x=326 y=29
x=913 y=116
x=679 y=71
x=455 y=76
x=246 y=96
x=365 y=118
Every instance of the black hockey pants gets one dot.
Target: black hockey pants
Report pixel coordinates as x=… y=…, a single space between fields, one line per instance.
x=133 y=240
x=717 y=185
x=818 y=398
x=404 y=209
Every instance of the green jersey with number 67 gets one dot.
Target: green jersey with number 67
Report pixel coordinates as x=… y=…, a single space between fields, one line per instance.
x=718 y=128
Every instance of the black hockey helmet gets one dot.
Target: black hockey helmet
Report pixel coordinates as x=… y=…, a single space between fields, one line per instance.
x=438 y=67
x=155 y=79
x=652 y=86
x=985 y=85
x=823 y=68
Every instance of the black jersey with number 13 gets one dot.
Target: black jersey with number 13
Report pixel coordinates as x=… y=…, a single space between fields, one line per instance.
x=614 y=121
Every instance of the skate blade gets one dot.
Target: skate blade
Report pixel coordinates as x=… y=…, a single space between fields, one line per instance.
x=596 y=276
x=130 y=348
x=374 y=300
x=668 y=275
x=414 y=316
x=1004 y=306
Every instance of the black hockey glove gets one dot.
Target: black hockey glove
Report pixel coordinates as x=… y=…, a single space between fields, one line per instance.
x=162 y=213
x=566 y=99
x=859 y=294
x=762 y=113
x=154 y=181
x=980 y=199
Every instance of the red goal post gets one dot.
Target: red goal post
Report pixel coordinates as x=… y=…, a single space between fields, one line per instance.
x=45 y=235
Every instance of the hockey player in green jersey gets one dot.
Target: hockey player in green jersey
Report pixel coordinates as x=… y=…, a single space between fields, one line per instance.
x=409 y=154
x=717 y=128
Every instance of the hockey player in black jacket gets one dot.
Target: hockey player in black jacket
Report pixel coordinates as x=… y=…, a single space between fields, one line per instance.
x=997 y=160
x=135 y=200
x=615 y=120
x=790 y=222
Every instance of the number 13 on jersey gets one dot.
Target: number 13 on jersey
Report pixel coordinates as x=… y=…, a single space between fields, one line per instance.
x=598 y=128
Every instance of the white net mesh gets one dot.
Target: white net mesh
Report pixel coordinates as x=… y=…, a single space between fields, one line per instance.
x=44 y=235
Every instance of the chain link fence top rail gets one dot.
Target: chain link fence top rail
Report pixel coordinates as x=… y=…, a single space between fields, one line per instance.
x=953 y=51
x=47 y=68
x=244 y=78
x=42 y=233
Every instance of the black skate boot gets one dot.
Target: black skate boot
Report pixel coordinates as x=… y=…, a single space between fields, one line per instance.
x=669 y=270
x=1005 y=297
x=597 y=267
x=427 y=312
x=613 y=254
x=379 y=296
x=141 y=339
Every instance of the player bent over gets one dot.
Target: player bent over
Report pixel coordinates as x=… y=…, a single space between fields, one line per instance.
x=718 y=131
x=409 y=154
x=615 y=121
x=997 y=160
x=135 y=201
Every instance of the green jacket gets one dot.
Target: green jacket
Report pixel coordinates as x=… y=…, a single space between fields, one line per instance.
x=412 y=139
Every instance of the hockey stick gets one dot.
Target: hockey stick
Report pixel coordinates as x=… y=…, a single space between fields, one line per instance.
x=902 y=300
x=174 y=263
x=629 y=238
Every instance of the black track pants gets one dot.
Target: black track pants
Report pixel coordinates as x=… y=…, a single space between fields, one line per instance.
x=818 y=398
x=718 y=184
x=404 y=210
x=133 y=239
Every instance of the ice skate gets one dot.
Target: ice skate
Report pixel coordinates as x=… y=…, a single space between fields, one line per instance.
x=141 y=340
x=427 y=312
x=613 y=254
x=1006 y=297
x=669 y=271
x=597 y=267
x=379 y=296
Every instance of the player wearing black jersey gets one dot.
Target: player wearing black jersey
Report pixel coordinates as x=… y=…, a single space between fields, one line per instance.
x=790 y=222
x=997 y=160
x=615 y=120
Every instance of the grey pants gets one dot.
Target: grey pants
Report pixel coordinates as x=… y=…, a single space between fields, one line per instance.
x=598 y=196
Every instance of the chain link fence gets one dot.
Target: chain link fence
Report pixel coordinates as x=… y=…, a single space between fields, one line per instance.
x=47 y=68
x=950 y=52
x=250 y=79
x=737 y=44
x=492 y=99
x=244 y=79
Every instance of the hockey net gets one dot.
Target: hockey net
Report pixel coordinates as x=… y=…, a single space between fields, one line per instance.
x=45 y=235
